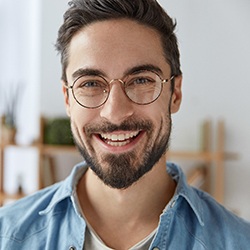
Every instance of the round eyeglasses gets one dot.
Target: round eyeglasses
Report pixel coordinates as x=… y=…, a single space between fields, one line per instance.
x=143 y=87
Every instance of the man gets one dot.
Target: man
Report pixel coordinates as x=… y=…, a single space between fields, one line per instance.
x=121 y=82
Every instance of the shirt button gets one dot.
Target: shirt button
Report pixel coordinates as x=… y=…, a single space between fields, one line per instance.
x=72 y=248
x=156 y=248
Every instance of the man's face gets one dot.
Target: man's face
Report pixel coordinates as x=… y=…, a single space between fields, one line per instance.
x=121 y=140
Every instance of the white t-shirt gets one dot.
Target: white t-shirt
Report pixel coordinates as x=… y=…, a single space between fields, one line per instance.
x=93 y=241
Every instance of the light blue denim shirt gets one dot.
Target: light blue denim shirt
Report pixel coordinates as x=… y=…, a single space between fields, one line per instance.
x=51 y=220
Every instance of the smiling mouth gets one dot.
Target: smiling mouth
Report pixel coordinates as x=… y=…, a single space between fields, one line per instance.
x=119 y=140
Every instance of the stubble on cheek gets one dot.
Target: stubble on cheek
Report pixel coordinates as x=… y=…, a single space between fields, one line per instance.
x=80 y=138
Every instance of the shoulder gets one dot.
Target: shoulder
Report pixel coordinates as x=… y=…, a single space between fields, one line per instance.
x=29 y=222
x=221 y=223
x=214 y=217
x=41 y=221
x=205 y=221
x=17 y=219
x=51 y=199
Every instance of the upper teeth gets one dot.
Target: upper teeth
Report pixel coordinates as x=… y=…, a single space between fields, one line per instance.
x=119 y=137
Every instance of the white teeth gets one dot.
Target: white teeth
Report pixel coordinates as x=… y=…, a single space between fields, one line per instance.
x=114 y=137
x=117 y=143
x=119 y=137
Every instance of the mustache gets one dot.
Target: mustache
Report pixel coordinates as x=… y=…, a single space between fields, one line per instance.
x=127 y=125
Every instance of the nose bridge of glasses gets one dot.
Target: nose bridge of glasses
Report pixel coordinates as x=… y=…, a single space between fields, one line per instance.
x=118 y=88
x=117 y=80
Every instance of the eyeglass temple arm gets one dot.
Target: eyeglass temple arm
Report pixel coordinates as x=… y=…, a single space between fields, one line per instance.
x=67 y=87
x=168 y=80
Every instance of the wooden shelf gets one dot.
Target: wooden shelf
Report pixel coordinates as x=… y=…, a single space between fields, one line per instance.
x=4 y=196
x=210 y=158
x=53 y=149
x=206 y=155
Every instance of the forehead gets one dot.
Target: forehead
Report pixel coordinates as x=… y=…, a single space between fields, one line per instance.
x=114 y=46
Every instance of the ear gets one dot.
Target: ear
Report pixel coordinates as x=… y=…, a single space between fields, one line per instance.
x=66 y=97
x=177 y=95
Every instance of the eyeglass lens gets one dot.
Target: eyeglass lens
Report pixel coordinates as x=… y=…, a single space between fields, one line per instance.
x=142 y=87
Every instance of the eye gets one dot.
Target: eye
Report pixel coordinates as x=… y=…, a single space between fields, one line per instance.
x=90 y=84
x=141 y=80
x=87 y=82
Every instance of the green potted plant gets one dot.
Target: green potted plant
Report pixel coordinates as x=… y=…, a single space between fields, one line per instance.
x=57 y=131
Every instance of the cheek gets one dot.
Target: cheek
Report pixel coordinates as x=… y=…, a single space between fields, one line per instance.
x=160 y=108
x=81 y=116
x=159 y=113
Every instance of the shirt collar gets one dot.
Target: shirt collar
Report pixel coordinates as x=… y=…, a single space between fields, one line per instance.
x=186 y=191
x=68 y=189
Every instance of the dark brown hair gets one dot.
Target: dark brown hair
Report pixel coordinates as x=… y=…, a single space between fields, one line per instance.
x=147 y=12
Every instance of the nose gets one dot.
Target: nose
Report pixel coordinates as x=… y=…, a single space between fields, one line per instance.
x=118 y=107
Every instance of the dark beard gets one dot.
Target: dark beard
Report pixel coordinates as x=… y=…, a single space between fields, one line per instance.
x=125 y=169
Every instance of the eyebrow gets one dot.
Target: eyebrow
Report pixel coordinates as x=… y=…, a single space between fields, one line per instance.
x=130 y=71
x=87 y=72
x=143 y=67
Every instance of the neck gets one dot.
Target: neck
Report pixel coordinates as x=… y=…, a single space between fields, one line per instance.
x=155 y=186
x=139 y=205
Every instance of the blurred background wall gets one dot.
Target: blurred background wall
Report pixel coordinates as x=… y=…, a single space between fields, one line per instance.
x=214 y=38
